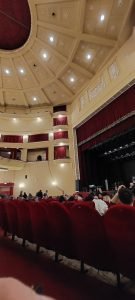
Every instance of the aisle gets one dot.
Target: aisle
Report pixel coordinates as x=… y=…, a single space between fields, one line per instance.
x=58 y=280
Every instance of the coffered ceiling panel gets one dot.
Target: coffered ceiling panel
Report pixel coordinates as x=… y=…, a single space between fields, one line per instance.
x=89 y=55
x=63 y=14
x=36 y=97
x=56 y=93
x=15 y=98
x=73 y=79
x=63 y=44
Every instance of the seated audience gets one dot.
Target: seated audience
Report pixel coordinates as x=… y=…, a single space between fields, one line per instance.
x=123 y=196
x=24 y=195
x=30 y=196
x=106 y=197
x=45 y=195
x=61 y=198
x=100 y=205
x=39 y=194
x=21 y=194
x=78 y=196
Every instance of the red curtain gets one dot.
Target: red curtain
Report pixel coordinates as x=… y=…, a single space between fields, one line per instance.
x=38 y=137
x=61 y=135
x=59 y=152
x=120 y=107
x=12 y=138
x=60 y=121
x=121 y=127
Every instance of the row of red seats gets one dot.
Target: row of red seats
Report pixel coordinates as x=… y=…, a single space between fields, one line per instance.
x=106 y=243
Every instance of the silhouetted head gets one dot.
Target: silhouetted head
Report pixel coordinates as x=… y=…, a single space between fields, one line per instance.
x=125 y=196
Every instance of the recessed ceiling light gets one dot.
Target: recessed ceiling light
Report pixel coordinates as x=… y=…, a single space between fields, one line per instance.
x=39 y=119
x=14 y=119
x=88 y=56
x=54 y=182
x=7 y=71
x=51 y=39
x=62 y=165
x=34 y=98
x=102 y=17
x=45 y=55
x=21 y=71
x=72 y=79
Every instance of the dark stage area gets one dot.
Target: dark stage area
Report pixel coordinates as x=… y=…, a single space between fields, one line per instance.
x=113 y=160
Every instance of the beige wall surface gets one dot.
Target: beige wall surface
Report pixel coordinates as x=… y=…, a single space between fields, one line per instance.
x=41 y=175
x=119 y=72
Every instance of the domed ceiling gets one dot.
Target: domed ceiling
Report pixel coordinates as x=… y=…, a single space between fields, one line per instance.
x=50 y=49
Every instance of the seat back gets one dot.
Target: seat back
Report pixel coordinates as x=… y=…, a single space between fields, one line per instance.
x=11 y=211
x=24 y=221
x=59 y=227
x=39 y=222
x=3 y=215
x=89 y=236
x=120 y=228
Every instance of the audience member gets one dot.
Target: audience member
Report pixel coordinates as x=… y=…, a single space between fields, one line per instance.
x=24 y=195
x=106 y=197
x=78 y=196
x=45 y=195
x=21 y=194
x=39 y=194
x=123 y=196
x=100 y=205
x=61 y=198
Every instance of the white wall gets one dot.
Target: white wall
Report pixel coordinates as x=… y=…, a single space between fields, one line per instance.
x=40 y=175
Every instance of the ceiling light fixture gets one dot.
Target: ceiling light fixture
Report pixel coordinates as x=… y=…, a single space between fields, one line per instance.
x=88 y=56
x=102 y=17
x=62 y=165
x=7 y=71
x=21 y=71
x=34 y=98
x=51 y=39
x=72 y=79
x=39 y=119
x=45 y=55
x=54 y=183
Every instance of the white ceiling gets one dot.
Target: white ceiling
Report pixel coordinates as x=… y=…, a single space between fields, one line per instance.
x=67 y=46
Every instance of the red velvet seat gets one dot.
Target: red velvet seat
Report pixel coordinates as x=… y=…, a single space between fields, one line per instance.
x=39 y=222
x=69 y=204
x=60 y=228
x=11 y=211
x=3 y=216
x=89 y=237
x=24 y=221
x=120 y=227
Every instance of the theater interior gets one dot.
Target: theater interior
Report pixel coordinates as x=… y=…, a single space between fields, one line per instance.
x=67 y=122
